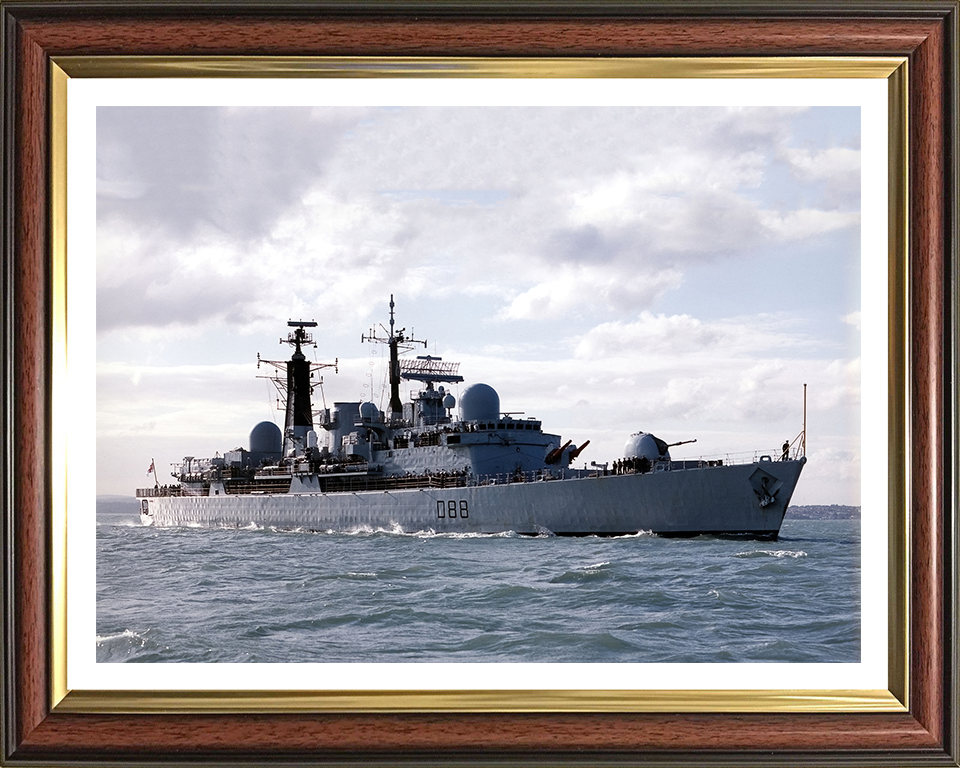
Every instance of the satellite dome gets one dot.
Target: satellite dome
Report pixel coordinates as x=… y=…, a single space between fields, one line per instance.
x=645 y=445
x=265 y=438
x=479 y=402
x=368 y=411
x=449 y=401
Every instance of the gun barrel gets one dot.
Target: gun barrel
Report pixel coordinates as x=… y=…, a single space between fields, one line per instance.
x=555 y=454
x=577 y=451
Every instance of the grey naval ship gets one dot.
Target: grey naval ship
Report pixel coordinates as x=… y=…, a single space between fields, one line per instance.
x=417 y=467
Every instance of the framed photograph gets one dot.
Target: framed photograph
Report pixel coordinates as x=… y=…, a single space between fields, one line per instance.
x=156 y=66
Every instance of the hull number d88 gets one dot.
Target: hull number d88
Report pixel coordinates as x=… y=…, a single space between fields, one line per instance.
x=450 y=508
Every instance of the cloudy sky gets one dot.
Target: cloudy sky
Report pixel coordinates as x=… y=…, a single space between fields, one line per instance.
x=683 y=270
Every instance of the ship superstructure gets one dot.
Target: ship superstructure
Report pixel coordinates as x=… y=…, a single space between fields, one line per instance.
x=417 y=466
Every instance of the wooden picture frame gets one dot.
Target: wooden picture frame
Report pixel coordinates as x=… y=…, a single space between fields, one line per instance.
x=35 y=732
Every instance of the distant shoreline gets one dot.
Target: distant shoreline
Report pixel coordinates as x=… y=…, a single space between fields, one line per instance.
x=823 y=512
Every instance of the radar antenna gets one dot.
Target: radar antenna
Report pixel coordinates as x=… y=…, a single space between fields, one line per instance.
x=429 y=369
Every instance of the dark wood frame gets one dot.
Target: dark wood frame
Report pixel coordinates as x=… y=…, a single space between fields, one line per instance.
x=925 y=32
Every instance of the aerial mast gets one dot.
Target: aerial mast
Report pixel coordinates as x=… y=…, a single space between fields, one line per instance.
x=395 y=340
x=803 y=443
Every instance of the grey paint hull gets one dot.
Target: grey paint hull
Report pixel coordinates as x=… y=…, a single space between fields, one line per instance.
x=679 y=502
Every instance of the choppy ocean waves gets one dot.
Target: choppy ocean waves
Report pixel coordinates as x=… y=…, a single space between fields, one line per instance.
x=262 y=595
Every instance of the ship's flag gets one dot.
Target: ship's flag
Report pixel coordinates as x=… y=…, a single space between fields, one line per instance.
x=154 y=471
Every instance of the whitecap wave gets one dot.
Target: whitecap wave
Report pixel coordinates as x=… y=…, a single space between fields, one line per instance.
x=778 y=553
x=595 y=568
x=584 y=573
x=637 y=535
x=127 y=634
x=125 y=523
x=475 y=535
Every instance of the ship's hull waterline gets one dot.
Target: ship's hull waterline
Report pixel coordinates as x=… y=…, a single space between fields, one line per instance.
x=721 y=499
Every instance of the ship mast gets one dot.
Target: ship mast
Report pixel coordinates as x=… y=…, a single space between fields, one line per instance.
x=395 y=339
x=299 y=410
x=298 y=386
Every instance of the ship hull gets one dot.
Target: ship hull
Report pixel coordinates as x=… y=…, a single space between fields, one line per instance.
x=746 y=499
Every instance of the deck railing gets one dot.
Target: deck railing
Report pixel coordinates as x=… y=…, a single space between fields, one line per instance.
x=350 y=483
x=743 y=457
x=158 y=491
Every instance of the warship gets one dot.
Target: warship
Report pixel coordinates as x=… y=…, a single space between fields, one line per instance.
x=416 y=466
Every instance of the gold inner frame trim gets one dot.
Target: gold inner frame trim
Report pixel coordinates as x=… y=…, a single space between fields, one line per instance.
x=893 y=69
x=60 y=390
x=898 y=414
x=437 y=67
x=235 y=702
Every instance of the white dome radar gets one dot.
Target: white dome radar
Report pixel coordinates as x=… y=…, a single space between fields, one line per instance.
x=479 y=402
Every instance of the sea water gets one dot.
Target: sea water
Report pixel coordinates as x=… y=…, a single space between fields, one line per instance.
x=262 y=595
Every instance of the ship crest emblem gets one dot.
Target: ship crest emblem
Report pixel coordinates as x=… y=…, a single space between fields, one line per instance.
x=765 y=485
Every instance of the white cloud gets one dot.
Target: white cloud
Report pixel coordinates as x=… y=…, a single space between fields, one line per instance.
x=571 y=287
x=797 y=225
x=677 y=336
x=836 y=168
x=853 y=318
x=311 y=203
x=825 y=163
